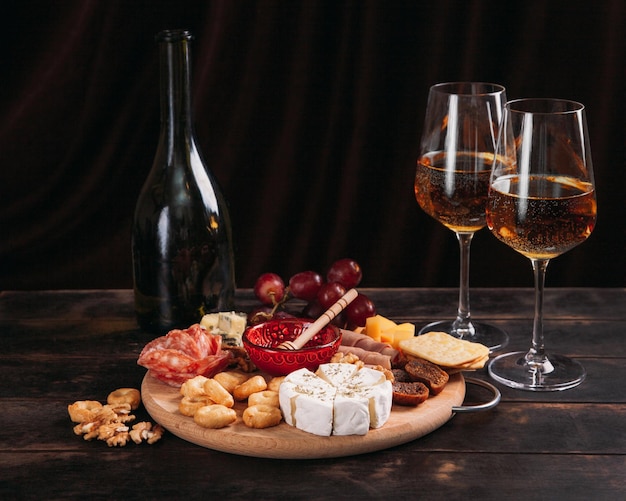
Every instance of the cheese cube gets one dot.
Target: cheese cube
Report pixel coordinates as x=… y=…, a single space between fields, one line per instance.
x=402 y=331
x=376 y=325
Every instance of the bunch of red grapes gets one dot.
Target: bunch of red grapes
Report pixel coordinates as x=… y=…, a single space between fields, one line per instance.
x=318 y=293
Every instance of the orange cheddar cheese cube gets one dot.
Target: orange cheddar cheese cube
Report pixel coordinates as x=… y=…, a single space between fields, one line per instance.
x=402 y=331
x=374 y=326
x=383 y=330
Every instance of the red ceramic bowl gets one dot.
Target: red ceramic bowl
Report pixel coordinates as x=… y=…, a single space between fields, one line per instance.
x=261 y=341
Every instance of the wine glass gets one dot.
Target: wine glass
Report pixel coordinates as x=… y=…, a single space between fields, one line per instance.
x=452 y=180
x=542 y=203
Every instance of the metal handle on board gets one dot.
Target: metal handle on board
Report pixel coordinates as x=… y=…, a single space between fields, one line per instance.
x=480 y=407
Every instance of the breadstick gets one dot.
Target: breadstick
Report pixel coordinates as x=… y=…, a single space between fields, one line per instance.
x=216 y=392
x=214 y=416
x=189 y=405
x=252 y=385
x=266 y=397
x=83 y=411
x=275 y=382
x=231 y=379
x=262 y=416
x=125 y=396
x=193 y=387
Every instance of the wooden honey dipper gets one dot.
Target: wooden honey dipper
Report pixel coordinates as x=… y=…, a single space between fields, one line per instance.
x=324 y=319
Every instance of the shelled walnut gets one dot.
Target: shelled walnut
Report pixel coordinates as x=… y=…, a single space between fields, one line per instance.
x=110 y=422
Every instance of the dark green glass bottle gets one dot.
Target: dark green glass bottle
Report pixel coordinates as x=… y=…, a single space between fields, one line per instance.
x=183 y=264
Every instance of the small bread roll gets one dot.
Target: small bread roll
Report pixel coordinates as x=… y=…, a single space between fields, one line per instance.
x=252 y=385
x=275 y=383
x=262 y=416
x=188 y=406
x=214 y=416
x=193 y=387
x=83 y=411
x=216 y=392
x=266 y=397
x=125 y=396
x=231 y=379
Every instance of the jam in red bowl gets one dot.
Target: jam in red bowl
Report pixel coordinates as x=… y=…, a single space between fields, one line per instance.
x=261 y=341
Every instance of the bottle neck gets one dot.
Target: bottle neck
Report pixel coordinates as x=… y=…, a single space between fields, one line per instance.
x=175 y=87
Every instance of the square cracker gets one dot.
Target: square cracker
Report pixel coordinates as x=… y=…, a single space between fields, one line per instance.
x=443 y=349
x=475 y=364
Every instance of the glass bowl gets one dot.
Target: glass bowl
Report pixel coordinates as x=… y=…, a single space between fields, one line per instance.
x=261 y=341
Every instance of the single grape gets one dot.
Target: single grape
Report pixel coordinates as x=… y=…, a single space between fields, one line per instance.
x=313 y=310
x=359 y=310
x=345 y=271
x=330 y=293
x=269 y=288
x=340 y=320
x=305 y=285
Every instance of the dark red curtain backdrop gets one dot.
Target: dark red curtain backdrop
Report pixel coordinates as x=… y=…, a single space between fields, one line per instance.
x=309 y=113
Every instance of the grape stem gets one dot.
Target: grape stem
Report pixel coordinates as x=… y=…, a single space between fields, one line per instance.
x=278 y=304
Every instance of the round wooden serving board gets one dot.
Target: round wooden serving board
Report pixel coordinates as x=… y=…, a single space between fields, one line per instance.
x=286 y=442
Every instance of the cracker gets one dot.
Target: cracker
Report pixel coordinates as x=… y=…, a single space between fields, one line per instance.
x=444 y=350
x=477 y=363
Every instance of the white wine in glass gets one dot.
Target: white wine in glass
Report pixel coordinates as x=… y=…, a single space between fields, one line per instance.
x=542 y=203
x=452 y=180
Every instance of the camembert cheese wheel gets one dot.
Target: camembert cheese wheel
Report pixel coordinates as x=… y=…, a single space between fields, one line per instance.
x=339 y=399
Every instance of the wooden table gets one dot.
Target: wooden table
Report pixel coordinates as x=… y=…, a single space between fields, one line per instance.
x=58 y=347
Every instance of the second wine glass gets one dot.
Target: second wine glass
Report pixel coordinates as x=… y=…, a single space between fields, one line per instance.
x=452 y=180
x=542 y=203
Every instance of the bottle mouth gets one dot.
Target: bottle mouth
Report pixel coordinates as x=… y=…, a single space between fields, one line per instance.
x=173 y=36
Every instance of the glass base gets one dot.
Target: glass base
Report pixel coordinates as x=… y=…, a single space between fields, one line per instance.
x=555 y=373
x=492 y=337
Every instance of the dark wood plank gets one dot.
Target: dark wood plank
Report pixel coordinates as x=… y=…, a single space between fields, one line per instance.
x=136 y=474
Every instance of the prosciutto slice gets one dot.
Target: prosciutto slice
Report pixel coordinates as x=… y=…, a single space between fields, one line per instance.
x=369 y=351
x=183 y=354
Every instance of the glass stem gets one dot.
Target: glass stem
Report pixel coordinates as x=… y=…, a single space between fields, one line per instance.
x=463 y=324
x=536 y=355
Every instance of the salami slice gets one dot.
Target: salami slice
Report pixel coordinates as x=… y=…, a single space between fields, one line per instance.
x=183 y=354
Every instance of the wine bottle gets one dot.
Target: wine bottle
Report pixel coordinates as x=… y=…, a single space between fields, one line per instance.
x=183 y=263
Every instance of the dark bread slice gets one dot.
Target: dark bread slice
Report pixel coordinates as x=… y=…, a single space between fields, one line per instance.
x=428 y=373
x=409 y=393
x=400 y=361
x=401 y=376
